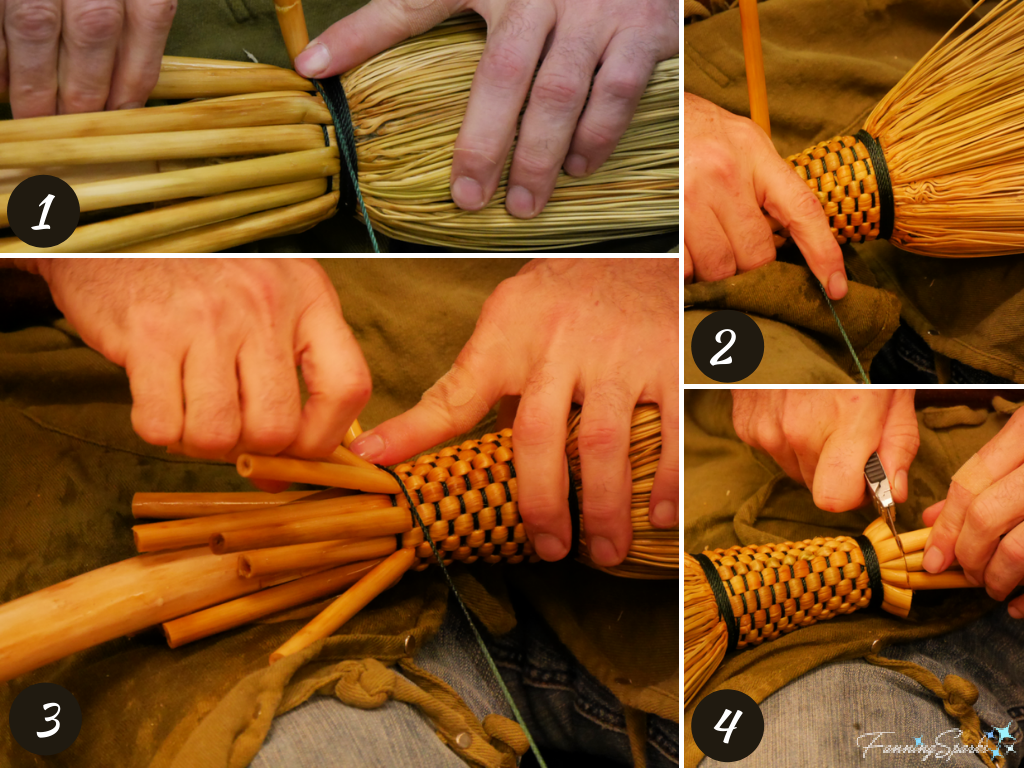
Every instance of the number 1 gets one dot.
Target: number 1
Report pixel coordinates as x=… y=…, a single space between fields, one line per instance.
x=52 y=718
x=43 y=225
x=732 y=726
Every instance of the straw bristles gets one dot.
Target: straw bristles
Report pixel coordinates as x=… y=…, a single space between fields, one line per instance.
x=704 y=632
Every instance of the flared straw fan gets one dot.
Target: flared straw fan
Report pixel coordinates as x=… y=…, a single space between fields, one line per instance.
x=215 y=561
x=254 y=154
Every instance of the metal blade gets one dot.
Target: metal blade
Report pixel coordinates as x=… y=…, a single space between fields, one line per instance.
x=881 y=496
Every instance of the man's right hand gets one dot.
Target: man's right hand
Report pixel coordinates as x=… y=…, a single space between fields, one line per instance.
x=732 y=172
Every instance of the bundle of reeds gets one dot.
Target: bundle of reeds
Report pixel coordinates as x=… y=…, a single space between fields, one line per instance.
x=939 y=167
x=217 y=561
x=255 y=155
x=739 y=597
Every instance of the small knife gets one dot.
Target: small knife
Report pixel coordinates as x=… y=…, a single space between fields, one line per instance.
x=881 y=495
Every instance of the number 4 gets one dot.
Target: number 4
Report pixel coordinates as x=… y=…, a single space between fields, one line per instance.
x=732 y=726
x=46 y=209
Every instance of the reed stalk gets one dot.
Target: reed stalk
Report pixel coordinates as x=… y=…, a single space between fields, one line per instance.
x=171 y=506
x=273 y=560
x=359 y=478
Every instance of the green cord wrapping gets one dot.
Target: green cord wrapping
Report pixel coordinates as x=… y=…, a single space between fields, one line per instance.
x=469 y=619
x=849 y=344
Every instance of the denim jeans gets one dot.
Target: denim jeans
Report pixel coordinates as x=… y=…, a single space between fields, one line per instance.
x=844 y=713
x=566 y=709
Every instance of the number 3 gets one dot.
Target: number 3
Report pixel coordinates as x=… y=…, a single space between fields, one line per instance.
x=52 y=718
x=716 y=360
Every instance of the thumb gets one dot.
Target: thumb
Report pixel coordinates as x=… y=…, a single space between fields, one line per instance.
x=456 y=403
x=900 y=441
x=373 y=28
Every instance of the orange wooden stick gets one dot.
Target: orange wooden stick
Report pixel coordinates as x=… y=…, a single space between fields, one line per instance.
x=317 y=473
x=293 y=26
x=753 y=58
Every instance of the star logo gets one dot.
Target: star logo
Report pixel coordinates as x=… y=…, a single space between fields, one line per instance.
x=1004 y=733
x=1009 y=748
x=990 y=735
x=918 y=740
x=995 y=753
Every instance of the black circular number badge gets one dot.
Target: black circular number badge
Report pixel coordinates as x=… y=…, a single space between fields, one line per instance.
x=43 y=211
x=727 y=726
x=727 y=346
x=45 y=719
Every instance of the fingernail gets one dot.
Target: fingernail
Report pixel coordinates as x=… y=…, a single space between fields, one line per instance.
x=837 y=285
x=664 y=514
x=468 y=194
x=971 y=580
x=132 y=105
x=549 y=547
x=519 y=202
x=576 y=165
x=368 y=445
x=314 y=60
x=1014 y=612
x=933 y=560
x=602 y=552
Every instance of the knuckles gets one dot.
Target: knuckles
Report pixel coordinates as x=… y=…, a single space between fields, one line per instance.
x=504 y=66
x=95 y=21
x=34 y=21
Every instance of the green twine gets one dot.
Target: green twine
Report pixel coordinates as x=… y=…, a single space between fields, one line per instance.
x=469 y=619
x=849 y=344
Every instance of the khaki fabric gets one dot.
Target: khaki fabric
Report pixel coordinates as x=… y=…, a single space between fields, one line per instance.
x=825 y=72
x=735 y=495
x=69 y=464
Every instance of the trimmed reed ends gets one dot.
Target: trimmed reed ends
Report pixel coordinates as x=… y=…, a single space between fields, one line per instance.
x=774 y=589
x=950 y=133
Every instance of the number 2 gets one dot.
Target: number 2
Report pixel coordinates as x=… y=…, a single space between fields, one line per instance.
x=716 y=360
x=43 y=225
x=732 y=726
x=52 y=718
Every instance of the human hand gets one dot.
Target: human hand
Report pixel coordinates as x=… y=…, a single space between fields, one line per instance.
x=604 y=333
x=620 y=40
x=63 y=56
x=981 y=520
x=823 y=438
x=731 y=172
x=211 y=345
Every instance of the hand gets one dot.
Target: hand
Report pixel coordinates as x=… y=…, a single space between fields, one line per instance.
x=63 y=56
x=211 y=345
x=604 y=333
x=731 y=172
x=981 y=520
x=823 y=438
x=620 y=40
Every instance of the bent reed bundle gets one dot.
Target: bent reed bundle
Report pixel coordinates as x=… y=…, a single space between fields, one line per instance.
x=213 y=562
x=255 y=155
x=939 y=168
x=740 y=597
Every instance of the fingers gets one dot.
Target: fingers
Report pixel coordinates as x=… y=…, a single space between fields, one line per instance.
x=32 y=29
x=213 y=420
x=713 y=257
x=88 y=44
x=158 y=414
x=500 y=85
x=271 y=408
x=539 y=434
x=939 y=550
x=604 y=462
x=371 y=29
x=994 y=512
x=787 y=197
x=687 y=266
x=1006 y=568
x=839 y=476
x=749 y=235
x=337 y=379
x=556 y=101
x=900 y=441
x=147 y=24
x=1016 y=608
x=931 y=514
x=620 y=82
x=665 y=492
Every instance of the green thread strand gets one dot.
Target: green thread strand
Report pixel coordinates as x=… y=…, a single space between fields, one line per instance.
x=469 y=619
x=849 y=344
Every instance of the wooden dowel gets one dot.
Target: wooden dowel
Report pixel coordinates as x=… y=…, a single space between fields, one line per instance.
x=913 y=541
x=293 y=26
x=753 y=59
x=915 y=562
x=280 y=108
x=349 y=604
x=212 y=82
x=125 y=231
x=316 y=473
x=171 y=145
x=342 y=455
x=172 y=534
x=263 y=562
x=383 y=521
x=916 y=580
x=116 y=600
x=255 y=606
x=878 y=531
x=173 y=506
x=352 y=433
x=229 y=234
x=180 y=63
